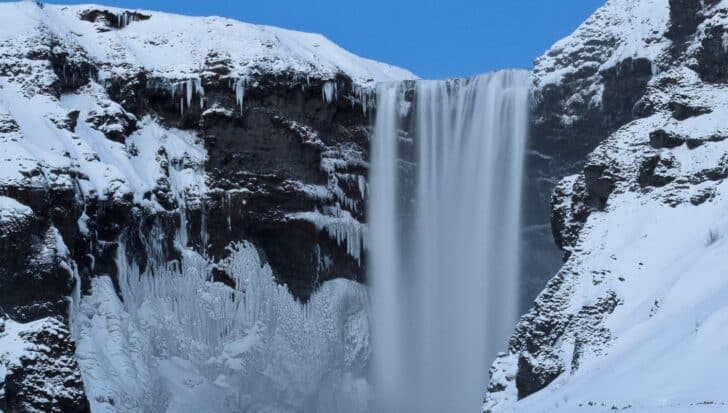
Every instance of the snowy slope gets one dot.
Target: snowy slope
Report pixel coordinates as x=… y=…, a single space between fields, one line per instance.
x=635 y=320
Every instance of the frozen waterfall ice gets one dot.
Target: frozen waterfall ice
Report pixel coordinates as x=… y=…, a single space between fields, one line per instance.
x=445 y=194
x=173 y=341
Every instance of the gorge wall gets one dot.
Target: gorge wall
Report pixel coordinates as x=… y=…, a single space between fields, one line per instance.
x=632 y=108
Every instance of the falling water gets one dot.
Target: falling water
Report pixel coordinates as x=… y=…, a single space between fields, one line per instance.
x=447 y=164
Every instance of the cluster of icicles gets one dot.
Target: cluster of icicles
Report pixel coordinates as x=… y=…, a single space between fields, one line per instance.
x=187 y=90
x=184 y=91
x=124 y=18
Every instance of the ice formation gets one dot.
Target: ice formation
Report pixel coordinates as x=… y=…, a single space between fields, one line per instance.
x=175 y=341
x=239 y=86
x=124 y=18
x=186 y=90
x=329 y=91
x=341 y=227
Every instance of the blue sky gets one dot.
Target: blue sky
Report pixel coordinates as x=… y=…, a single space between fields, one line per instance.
x=433 y=38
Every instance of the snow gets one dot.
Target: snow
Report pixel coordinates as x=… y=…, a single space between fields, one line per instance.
x=176 y=47
x=12 y=346
x=615 y=36
x=665 y=358
x=12 y=210
x=106 y=168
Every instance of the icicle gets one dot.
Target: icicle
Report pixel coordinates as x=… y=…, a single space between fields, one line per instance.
x=239 y=87
x=200 y=90
x=204 y=234
x=362 y=186
x=363 y=96
x=188 y=90
x=329 y=91
x=228 y=207
x=340 y=227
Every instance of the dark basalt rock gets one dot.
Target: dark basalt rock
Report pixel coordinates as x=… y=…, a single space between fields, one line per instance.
x=717 y=173
x=685 y=16
x=599 y=185
x=71 y=73
x=115 y=126
x=651 y=171
x=33 y=282
x=663 y=139
x=696 y=142
x=624 y=85
x=702 y=196
x=712 y=58
x=221 y=276
x=533 y=377
x=681 y=111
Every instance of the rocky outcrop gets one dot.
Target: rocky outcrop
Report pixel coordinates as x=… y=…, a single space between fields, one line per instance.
x=44 y=377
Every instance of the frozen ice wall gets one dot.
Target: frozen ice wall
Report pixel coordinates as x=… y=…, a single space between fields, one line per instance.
x=174 y=341
x=445 y=197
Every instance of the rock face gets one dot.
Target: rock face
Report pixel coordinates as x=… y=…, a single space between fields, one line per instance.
x=638 y=89
x=585 y=87
x=152 y=137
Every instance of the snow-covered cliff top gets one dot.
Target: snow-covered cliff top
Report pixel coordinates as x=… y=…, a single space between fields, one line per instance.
x=176 y=46
x=619 y=30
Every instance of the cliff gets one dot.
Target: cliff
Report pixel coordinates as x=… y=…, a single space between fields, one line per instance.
x=141 y=139
x=633 y=318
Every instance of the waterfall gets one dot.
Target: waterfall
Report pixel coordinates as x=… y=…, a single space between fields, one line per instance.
x=445 y=194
